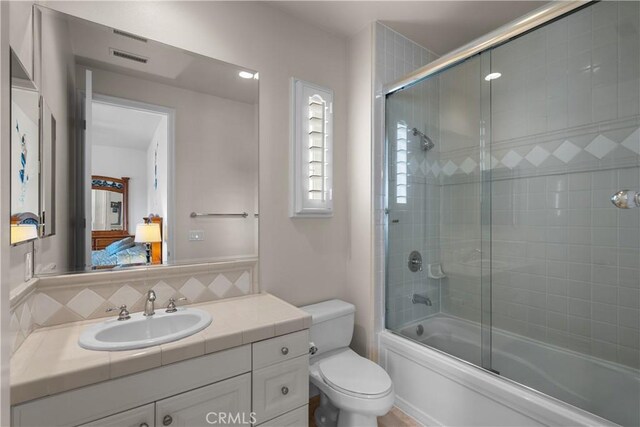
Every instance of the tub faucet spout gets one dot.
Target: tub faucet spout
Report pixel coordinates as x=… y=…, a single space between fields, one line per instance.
x=421 y=299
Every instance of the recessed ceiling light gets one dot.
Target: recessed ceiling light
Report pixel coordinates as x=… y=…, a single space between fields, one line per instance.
x=245 y=74
x=492 y=76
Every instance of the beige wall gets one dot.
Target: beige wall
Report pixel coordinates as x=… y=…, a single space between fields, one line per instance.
x=5 y=351
x=302 y=260
x=21 y=40
x=359 y=287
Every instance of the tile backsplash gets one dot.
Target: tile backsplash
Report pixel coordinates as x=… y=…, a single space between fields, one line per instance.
x=50 y=301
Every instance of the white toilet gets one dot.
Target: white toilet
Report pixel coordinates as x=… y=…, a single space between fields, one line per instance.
x=354 y=390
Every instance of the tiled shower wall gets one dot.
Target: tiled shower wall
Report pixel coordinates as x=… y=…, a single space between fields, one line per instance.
x=410 y=224
x=565 y=123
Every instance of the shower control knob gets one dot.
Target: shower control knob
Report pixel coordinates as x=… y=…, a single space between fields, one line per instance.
x=415 y=261
x=626 y=199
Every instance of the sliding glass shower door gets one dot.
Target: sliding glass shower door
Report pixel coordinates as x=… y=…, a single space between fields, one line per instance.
x=436 y=150
x=504 y=248
x=565 y=261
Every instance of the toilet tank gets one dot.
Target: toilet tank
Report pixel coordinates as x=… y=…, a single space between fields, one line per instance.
x=331 y=324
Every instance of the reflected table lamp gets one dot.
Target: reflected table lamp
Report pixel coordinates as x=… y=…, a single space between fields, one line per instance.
x=148 y=234
x=23 y=232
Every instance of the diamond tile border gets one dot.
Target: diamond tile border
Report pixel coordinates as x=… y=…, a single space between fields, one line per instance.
x=598 y=148
x=38 y=308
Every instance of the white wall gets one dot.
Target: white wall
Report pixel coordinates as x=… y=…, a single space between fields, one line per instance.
x=359 y=285
x=21 y=33
x=302 y=260
x=119 y=162
x=5 y=195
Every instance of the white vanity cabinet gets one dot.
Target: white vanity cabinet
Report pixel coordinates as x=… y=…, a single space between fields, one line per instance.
x=264 y=382
x=280 y=376
x=136 y=417
x=227 y=403
x=196 y=408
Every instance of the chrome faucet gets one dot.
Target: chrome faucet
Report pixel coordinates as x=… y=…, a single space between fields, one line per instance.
x=421 y=299
x=149 y=306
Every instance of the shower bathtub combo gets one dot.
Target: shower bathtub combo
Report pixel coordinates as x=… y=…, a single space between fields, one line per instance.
x=511 y=280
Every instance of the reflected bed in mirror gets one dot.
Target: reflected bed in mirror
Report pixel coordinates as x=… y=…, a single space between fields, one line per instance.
x=161 y=133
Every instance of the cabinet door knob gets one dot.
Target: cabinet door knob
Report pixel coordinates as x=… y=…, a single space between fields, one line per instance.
x=167 y=420
x=144 y=425
x=284 y=350
x=285 y=390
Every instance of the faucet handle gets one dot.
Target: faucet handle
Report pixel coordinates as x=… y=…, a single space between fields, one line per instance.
x=171 y=307
x=124 y=313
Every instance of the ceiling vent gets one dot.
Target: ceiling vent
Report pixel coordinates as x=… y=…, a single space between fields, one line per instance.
x=129 y=56
x=129 y=35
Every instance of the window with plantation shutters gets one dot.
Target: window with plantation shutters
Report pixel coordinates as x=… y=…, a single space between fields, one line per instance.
x=312 y=138
x=401 y=163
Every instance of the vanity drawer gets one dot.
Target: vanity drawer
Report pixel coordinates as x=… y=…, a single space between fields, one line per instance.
x=296 y=418
x=143 y=416
x=280 y=388
x=281 y=348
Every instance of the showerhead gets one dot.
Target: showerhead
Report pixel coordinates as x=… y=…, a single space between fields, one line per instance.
x=425 y=142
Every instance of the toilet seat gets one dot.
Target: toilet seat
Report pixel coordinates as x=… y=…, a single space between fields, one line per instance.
x=355 y=375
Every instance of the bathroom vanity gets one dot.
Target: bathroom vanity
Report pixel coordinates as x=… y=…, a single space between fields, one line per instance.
x=250 y=366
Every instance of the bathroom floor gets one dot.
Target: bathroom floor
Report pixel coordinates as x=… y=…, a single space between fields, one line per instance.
x=395 y=417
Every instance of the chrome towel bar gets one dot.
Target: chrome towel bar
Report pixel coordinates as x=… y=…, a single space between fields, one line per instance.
x=219 y=215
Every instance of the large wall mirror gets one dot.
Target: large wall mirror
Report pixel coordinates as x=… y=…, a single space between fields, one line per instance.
x=156 y=151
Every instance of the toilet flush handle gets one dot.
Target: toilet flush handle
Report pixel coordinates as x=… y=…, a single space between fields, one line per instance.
x=312 y=349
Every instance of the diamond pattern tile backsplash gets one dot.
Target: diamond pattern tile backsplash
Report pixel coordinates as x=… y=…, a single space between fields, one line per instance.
x=56 y=300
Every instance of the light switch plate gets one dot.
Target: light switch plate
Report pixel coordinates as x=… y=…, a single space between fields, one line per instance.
x=196 y=235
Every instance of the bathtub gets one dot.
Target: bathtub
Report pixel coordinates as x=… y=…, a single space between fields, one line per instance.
x=438 y=389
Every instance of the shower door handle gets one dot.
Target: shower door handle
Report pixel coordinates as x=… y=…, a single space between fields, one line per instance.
x=626 y=199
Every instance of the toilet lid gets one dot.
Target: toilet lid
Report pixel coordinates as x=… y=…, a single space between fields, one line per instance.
x=354 y=374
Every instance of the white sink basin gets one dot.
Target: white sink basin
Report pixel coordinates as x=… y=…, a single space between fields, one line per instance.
x=141 y=331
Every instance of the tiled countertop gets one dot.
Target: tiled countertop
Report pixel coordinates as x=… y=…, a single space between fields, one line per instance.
x=51 y=361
